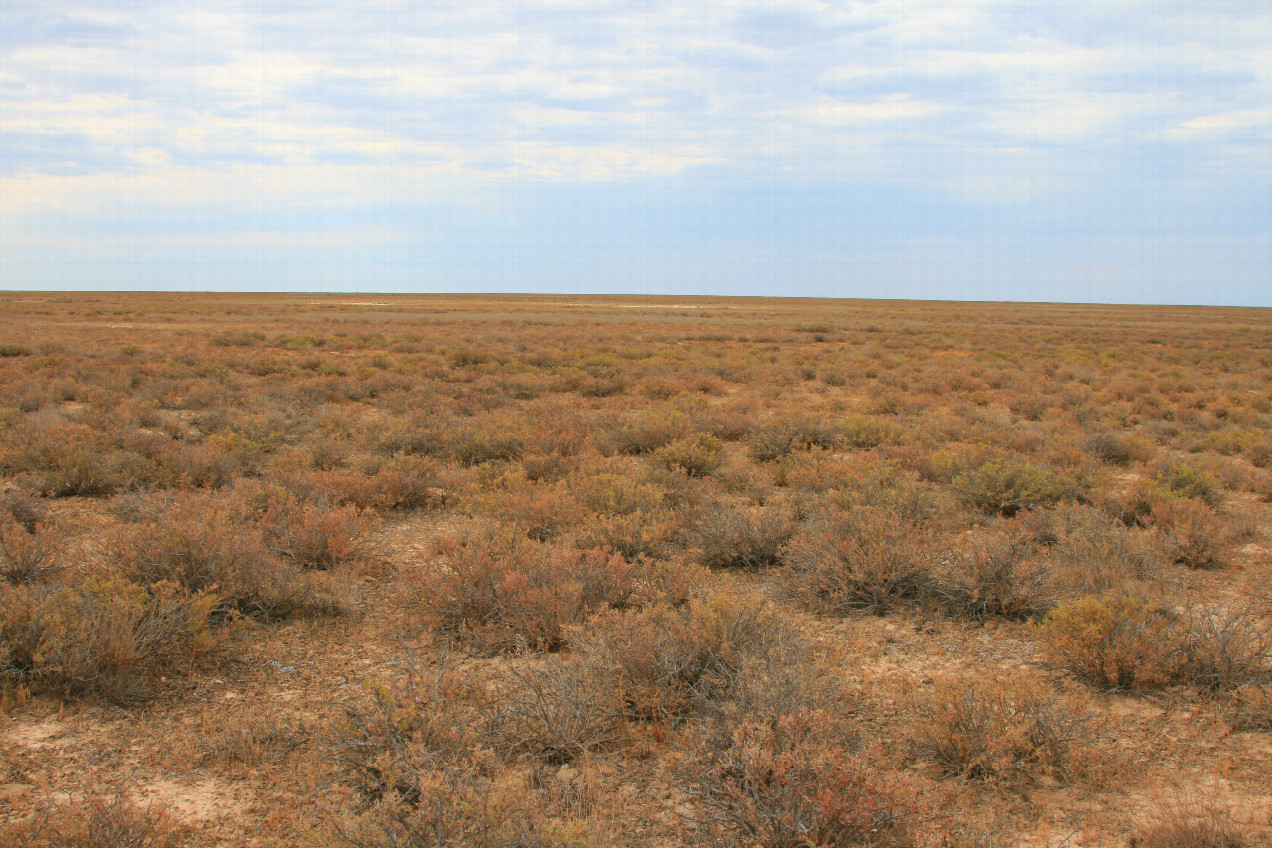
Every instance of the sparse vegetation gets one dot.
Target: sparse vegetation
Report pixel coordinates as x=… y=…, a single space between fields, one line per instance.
x=519 y=571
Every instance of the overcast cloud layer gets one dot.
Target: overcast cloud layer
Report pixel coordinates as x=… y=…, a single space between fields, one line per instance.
x=982 y=149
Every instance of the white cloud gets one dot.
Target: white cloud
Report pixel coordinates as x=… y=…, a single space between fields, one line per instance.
x=593 y=91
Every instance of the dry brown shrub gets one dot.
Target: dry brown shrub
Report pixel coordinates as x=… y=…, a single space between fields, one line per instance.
x=1187 y=821
x=1114 y=642
x=655 y=534
x=697 y=455
x=741 y=537
x=788 y=433
x=1195 y=534
x=95 y=821
x=556 y=713
x=320 y=537
x=866 y=561
x=542 y=512
x=1118 y=448
x=650 y=430
x=23 y=510
x=795 y=782
x=499 y=592
x=1013 y=730
x=1225 y=648
x=1003 y=577
x=26 y=556
x=666 y=662
x=204 y=543
x=1094 y=553
x=107 y=638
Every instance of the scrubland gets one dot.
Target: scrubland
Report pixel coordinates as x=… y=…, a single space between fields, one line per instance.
x=559 y=571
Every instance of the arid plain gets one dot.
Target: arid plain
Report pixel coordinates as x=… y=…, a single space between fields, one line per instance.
x=399 y=570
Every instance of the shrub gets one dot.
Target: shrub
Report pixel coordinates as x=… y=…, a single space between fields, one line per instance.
x=205 y=543
x=95 y=821
x=649 y=431
x=785 y=434
x=793 y=782
x=501 y=593
x=1226 y=648
x=1010 y=730
x=540 y=512
x=868 y=431
x=81 y=472
x=653 y=534
x=475 y=447
x=1095 y=553
x=697 y=455
x=412 y=740
x=312 y=536
x=388 y=488
x=1120 y=448
x=1189 y=480
x=105 y=639
x=1006 y=485
x=26 y=557
x=1114 y=642
x=23 y=510
x=737 y=537
x=556 y=714
x=666 y=662
x=1188 y=822
x=1195 y=534
x=999 y=577
x=866 y=561
x=9 y=350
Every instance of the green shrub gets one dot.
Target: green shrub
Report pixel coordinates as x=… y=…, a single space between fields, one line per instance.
x=1006 y=485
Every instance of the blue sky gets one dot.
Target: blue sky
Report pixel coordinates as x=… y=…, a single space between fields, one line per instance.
x=1064 y=150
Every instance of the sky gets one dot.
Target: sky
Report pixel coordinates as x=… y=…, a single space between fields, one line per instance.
x=1029 y=150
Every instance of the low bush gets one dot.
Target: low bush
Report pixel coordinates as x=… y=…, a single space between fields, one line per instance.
x=1188 y=822
x=1225 y=648
x=1094 y=553
x=1012 y=730
x=95 y=821
x=795 y=782
x=204 y=543
x=557 y=713
x=501 y=593
x=23 y=510
x=739 y=537
x=108 y=638
x=1195 y=535
x=318 y=537
x=697 y=455
x=1189 y=480
x=866 y=561
x=1005 y=485
x=26 y=556
x=1114 y=642
x=785 y=434
x=1120 y=448
x=648 y=431
x=666 y=662
x=997 y=577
